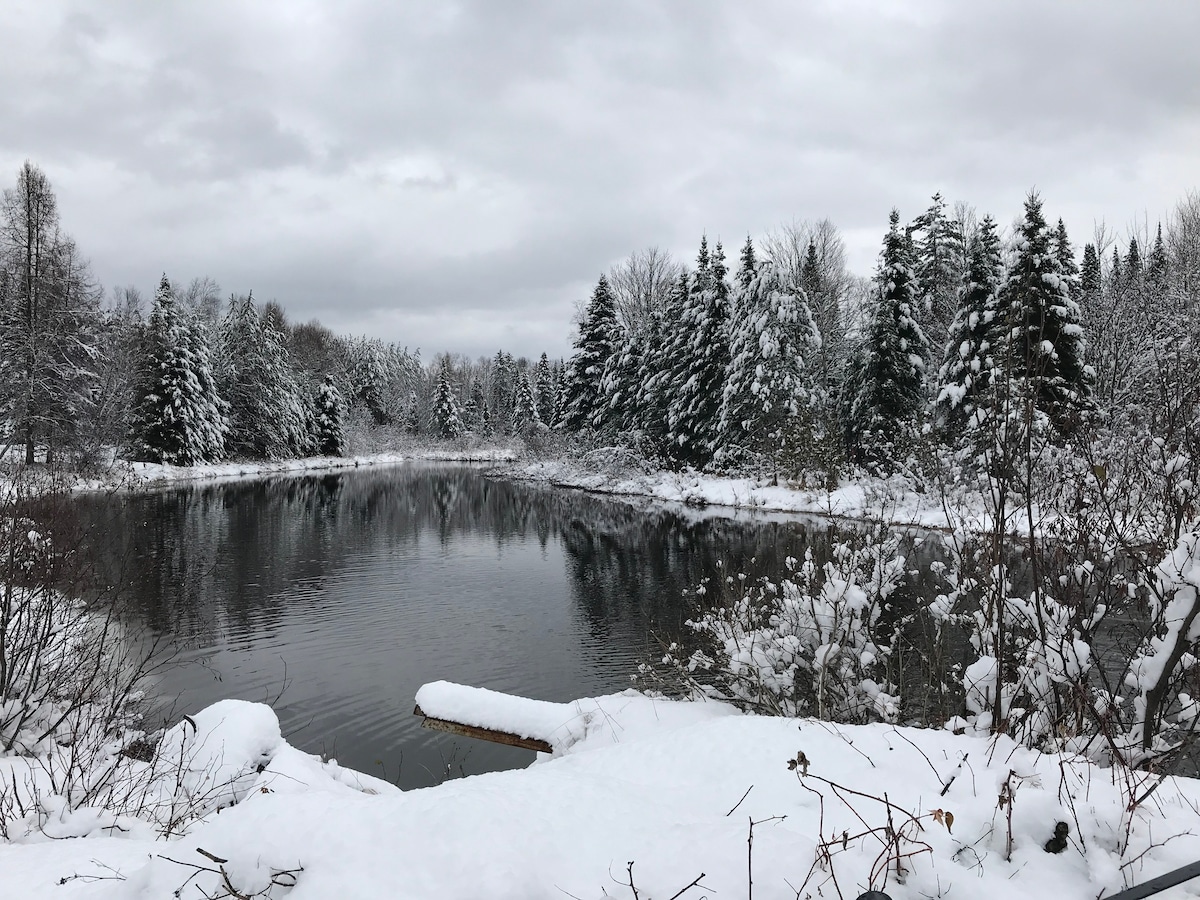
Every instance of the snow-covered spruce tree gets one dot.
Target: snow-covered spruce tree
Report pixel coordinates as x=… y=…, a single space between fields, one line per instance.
x=179 y=417
x=254 y=376
x=328 y=435
x=966 y=370
x=503 y=387
x=446 y=418
x=619 y=411
x=543 y=389
x=884 y=387
x=525 y=417
x=582 y=397
x=766 y=408
x=699 y=353
x=1042 y=352
x=939 y=255
x=658 y=388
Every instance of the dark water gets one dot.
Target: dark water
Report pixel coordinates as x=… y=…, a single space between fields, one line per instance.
x=335 y=597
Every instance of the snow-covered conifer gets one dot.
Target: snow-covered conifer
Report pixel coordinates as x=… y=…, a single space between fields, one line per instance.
x=699 y=354
x=525 y=411
x=767 y=395
x=885 y=379
x=254 y=376
x=598 y=332
x=329 y=437
x=446 y=418
x=966 y=369
x=1042 y=356
x=179 y=417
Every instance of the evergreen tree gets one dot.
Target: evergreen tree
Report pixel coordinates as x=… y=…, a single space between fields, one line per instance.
x=525 y=412
x=179 y=418
x=767 y=395
x=480 y=418
x=504 y=386
x=266 y=413
x=328 y=435
x=1089 y=275
x=966 y=370
x=699 y=353
x=598 y=332
x=1066 y=258
x=938 y=261
x=620 y=410
x=659 y=390
x=1156 y=267
x=543 y=386
x=446 y=419
x=885 y=386
x=1043 y=353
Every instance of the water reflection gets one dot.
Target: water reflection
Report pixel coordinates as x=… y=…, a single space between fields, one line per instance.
x=355 y=588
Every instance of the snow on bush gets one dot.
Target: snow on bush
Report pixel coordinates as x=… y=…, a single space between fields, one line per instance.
x=808 y=643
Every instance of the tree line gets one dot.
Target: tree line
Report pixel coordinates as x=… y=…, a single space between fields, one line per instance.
x=966 y=336
x=187 y=378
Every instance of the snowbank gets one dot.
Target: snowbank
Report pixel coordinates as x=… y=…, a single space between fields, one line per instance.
x=671 y=787
x=135 y=475
x=872 y=499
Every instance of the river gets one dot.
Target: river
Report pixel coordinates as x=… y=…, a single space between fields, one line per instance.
x=334 y=597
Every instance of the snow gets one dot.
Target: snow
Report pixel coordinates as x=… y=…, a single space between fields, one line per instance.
x=135 y=475
x=671 y=787
x=864 y=498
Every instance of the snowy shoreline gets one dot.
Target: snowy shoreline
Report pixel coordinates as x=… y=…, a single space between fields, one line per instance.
x=135 y=476
x=862 y=500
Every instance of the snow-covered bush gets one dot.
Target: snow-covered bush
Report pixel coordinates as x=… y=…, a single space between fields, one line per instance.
x=810 y=642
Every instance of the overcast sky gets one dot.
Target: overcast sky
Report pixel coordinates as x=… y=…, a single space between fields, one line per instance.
x=456 y=175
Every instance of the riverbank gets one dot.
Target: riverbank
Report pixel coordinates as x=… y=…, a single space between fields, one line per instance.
x=124 y=475
x=893 y=501
x=644 y=798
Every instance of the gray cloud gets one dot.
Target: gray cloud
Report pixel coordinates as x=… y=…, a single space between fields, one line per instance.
x=454 y=175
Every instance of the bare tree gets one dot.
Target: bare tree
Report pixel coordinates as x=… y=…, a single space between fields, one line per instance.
x=50 y=310
x=641 y=285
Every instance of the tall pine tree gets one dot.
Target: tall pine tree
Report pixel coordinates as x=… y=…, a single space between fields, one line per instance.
x=179 y=418
x=885 y=383
x=966 y=370
x=582 y=397
x=1042 y=357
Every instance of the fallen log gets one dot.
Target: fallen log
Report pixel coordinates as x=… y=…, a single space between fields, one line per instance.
x=484 y=734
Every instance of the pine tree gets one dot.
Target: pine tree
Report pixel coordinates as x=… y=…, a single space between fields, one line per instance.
x=767 y=395
x=699 y=353
x=480 y=417
x=966 y=370
x=938 y=256
x=659 y=390
x=885 y=384
x=582 y=397
x=1043 y=353
x=1156 y=267
x=525 y=412
x=328 y=435
x=1089 y=275
x=446 y=418
x=266 y=413
x=1066 y=258
x=179 y=418
x=543 y=386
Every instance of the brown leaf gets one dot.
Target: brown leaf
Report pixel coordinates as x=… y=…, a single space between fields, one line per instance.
x=949 y=821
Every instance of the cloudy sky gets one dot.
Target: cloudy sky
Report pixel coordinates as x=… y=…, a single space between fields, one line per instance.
x=455 y=175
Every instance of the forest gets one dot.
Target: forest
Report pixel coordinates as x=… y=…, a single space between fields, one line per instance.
x=782 y=364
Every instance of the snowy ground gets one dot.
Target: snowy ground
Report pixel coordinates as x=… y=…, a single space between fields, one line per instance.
x=671 y=788
x=135 y=475
x=865 y=498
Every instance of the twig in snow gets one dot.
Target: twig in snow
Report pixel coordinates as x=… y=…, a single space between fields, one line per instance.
x=739 y=803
